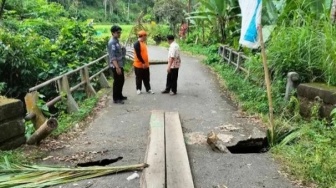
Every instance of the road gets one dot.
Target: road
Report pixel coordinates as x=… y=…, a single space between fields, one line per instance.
x=202 y=105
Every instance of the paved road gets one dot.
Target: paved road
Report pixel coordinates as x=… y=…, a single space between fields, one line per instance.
x=123 y=130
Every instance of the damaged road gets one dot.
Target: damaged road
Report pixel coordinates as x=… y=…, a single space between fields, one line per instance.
x=122 y=130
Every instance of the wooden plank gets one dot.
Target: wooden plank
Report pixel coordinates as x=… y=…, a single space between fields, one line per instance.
x=154 y=175
x=177 y=163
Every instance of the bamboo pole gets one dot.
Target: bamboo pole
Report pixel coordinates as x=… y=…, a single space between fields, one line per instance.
x=268 y=84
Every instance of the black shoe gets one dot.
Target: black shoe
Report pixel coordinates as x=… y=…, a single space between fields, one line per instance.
x=165 y=91
x=118 y=102
x=123 y=98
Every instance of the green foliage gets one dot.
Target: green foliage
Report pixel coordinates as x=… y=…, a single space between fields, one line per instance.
x=216 y=16
x=12 y=157
x=51 y=47
x=333 y=116
x=170 y=10
x=311 y=158
x=157 y=32
x=306 y=148
x=66 y=121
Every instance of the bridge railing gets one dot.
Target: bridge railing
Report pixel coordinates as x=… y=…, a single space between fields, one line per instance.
x=64 y=89
x=233 y=57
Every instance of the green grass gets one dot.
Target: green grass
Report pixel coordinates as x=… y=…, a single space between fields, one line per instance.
x=310 y=156
x=104 y=31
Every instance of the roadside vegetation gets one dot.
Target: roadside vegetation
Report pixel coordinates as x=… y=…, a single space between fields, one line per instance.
x=302 y=40
x=59 y=36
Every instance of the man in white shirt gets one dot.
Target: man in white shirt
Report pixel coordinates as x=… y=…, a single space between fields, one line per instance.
x=174 y=62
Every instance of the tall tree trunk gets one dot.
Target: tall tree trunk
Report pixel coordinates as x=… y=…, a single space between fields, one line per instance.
x=105 y=6
x=2 y=8
x=333 y=12
x=111 y=7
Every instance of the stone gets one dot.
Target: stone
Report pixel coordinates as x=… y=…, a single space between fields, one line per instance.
x=13 y=143
x=11 y=129
x=311 y=90
x=10 y=108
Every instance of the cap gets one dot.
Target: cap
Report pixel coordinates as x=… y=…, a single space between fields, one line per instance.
x=115 y=28
x=142 y=33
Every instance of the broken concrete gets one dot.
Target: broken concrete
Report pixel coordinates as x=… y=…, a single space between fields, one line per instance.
x=311 y=90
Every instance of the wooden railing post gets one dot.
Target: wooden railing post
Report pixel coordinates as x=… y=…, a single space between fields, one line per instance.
x=230 y=56
x=238 y=61
x=72 y=106
x=90 y=91
x=31 y=100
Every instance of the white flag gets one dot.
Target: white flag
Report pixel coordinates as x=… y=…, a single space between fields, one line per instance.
x=251 y=18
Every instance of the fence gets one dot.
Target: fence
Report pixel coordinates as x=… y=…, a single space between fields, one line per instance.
x=233 y=57
x=65 y=90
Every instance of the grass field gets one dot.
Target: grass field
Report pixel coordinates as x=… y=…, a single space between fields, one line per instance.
x=104 y=31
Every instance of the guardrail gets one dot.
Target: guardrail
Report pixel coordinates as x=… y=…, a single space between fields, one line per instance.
x=233 y=57
x=64 y=89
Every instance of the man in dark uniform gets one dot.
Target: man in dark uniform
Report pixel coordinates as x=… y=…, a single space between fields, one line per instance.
x=116 y=63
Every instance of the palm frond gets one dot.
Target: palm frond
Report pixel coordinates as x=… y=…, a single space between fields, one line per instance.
x=26 y=176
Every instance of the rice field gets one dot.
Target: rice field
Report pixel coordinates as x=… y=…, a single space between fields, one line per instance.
x=104 y=31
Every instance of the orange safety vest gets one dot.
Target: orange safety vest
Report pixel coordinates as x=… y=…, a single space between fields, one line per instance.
x=144 y=54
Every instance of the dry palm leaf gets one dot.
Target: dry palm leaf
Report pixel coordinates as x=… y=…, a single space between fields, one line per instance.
x=42 y=176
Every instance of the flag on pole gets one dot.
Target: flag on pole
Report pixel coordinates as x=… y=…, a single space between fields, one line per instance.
x=251 y=18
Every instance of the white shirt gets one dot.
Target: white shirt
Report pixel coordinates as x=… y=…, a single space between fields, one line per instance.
x=174 y=52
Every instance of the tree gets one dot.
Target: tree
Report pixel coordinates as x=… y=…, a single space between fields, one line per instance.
x=170 y=10
x=2 y=8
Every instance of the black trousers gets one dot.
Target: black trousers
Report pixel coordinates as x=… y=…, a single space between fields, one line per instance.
x=142 y=75
x=118 y=84
x=171 y=83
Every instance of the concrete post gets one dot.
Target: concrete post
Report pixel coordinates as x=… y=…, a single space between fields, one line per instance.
x=292 y=79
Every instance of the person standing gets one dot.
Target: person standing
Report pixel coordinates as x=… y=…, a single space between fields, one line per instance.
x=174 y=62
x=116 y=63
x=141 y=63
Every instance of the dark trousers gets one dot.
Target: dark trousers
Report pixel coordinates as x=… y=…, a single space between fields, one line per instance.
x=142 y=75
x=118 y=84
x=171 y=83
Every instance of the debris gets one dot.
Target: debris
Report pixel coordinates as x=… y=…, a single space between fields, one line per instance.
x=216 y=144
x=49 y=157
x=13 y=175
x=43 y=131
x=135 y=175
x=228 y=127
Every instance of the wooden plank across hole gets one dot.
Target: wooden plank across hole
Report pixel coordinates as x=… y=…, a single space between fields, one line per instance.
x=154 y=175
x=178 y=173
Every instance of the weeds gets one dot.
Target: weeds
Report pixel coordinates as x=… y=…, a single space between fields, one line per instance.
x=306 y=148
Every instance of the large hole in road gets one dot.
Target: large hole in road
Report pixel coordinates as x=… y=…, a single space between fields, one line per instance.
x=253 y=145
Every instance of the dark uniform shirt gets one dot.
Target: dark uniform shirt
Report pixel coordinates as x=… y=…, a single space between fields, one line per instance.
x=116 y=52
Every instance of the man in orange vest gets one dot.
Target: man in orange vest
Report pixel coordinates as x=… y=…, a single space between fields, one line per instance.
x=141 y=63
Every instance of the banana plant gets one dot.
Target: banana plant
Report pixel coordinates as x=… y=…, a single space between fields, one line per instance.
x=218 y=13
